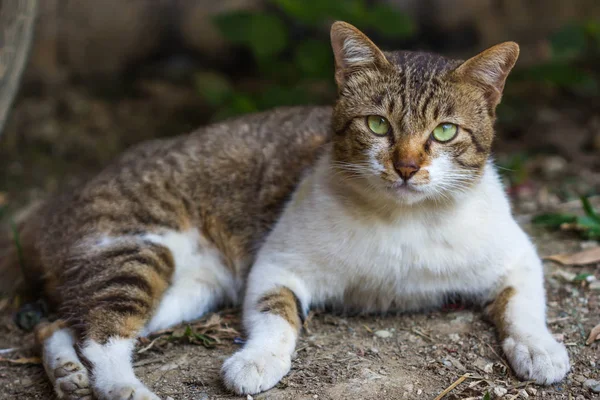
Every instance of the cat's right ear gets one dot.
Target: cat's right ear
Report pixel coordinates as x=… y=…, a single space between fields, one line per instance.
x=353 y=50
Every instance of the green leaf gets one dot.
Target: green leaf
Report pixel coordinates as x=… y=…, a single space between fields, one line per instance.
x=554 y=220
x=314 y=58
x=581 y=277
x=569 y=42
x=310 y=12
x=265 y=34
x=592 y=29
x=487 y=396
x=589 y=210
x=352 y=11
x=204 y=340
x=388 y=21
x=214 y=87
x=188 y=332
x=240 y=103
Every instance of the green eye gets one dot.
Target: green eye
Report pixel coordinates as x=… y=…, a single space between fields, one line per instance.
x=445 y=132
x=378 y=125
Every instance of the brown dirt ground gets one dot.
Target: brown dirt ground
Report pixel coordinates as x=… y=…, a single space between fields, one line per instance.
x=64 y=137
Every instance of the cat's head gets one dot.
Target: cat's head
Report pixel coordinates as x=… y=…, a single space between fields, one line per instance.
x=413 y=125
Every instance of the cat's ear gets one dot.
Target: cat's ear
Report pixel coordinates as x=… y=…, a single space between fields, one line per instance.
x=490 y=69
x=353 y=50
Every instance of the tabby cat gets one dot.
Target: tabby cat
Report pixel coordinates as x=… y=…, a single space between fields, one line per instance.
x=387 y=201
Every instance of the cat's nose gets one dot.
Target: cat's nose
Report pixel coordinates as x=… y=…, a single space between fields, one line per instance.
x=406 y=170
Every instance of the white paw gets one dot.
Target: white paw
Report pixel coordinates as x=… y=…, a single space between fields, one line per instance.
x=251 y=371
x=541 y=359
x=128 y=391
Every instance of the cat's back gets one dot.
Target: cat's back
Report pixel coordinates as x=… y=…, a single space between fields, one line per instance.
x=229 y=179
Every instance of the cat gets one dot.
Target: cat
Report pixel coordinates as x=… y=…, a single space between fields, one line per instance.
x=387 y=201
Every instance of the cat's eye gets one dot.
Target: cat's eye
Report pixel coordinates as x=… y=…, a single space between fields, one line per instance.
x=445 y=132
x=378 y=125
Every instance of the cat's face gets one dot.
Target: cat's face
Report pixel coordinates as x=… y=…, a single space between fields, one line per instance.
x=414 y=125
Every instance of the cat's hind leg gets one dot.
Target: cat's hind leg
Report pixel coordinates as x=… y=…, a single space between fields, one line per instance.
x=68 y=375
x=113 y=293
x=156 y=281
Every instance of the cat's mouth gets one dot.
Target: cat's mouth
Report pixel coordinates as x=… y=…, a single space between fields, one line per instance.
x=403 y=187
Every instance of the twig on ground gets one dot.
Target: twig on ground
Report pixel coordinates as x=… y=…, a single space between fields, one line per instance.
x=145 y=349
x=451 y=387
x=594 y=335
x=497 y=355
x=24 y=360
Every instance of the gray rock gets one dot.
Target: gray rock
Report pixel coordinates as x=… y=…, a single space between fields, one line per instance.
x=592 y=385
x=499 y=392
x=383 y=334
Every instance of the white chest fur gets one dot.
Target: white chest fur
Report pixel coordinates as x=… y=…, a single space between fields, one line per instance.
x=413 y=261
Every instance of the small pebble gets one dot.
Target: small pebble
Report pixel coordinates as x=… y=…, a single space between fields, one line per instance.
x=531 y=390
x=595 y=285
x=383 y=334
x=455 y=337
x=249 y=397
x=170 y=398
x=592 y=385
x=523 y=394
x=499 y=391
x=26 y=382
x=409 y=387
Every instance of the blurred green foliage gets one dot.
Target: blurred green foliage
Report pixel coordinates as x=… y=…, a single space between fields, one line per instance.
x=291 y=58
x=513 y=169
x=587 y=225
x=575 y=53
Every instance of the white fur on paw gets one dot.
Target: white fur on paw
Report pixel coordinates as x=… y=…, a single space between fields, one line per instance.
x=541 y=359
x=252 y=371
x=128 y=392
x=71 y=382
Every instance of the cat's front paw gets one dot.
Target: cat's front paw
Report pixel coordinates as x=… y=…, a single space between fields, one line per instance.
x=127 y=391
x=252 y=371
x=541 y=359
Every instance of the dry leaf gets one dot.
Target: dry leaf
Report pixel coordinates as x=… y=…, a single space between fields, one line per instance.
x=2 y=198
x=24 y=360
x=594 y=335
x=588 y=256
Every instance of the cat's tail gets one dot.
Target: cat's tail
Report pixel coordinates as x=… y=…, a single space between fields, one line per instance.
x=16 y=240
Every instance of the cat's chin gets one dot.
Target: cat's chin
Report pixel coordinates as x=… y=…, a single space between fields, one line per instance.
x=407 y=193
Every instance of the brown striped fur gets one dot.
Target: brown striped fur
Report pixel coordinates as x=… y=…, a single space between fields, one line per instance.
x=497 y=311
x=282 y=302
x=229 y=180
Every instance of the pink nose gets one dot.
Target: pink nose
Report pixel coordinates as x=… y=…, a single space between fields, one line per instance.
x=406 y=170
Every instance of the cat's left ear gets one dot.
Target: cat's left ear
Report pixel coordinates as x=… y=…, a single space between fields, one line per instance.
x=352 y=51
x=490 y=69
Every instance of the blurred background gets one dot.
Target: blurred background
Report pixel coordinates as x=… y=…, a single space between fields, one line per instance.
x=103 y=75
